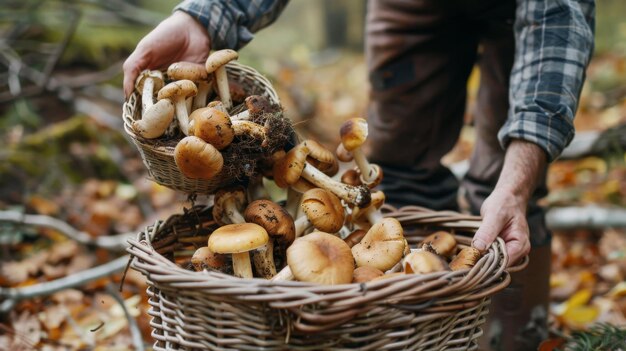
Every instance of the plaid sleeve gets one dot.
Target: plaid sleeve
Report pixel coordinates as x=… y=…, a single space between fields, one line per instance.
x=230 y=23
x=554 y=42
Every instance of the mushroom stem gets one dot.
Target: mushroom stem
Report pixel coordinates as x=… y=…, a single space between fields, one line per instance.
x=264 y=260
x=241 y=265
x=367 y=171
x=251 y=129
x=232 y=212
x=181 y=115
x=222 y=87
x=373 y=215
x=301 y=225
x=293 y=202
x=358 y=196
x=200 y=100
x=284 y=274
x=242 y=116
x=147 y=95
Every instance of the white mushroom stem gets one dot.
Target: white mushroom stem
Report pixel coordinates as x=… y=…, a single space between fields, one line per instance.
x=181 y=115
x=203 y=92
x=156 y=119
x=263 y=258
x=252 y=129
x=284 y=274
x=293 y=202
x=358 y=196
x=232 y=212
x=301 y=225
x=147 y=95
x=241 y=116
x=373 y=215
x=222 y=87
x=188 y=104
x=241 y=265
x=367 y=171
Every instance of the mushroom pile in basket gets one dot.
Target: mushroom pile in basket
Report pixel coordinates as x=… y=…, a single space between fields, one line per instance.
x=327 y=231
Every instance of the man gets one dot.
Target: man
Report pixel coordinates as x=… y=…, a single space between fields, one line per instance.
x=420 y=54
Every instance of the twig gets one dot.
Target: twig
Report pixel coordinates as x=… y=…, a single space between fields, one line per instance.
x=135 y=332
x=13 y=295
x=592 y=217
x=112 y=242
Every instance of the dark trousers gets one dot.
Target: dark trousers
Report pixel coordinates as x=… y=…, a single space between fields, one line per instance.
x=420 y=54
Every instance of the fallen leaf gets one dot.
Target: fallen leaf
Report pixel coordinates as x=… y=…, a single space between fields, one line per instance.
x=63 y=250
x=580 y=316
x=551 y=344
x=52 y=316
x=27 y=331
x=67 y=296
x=618 y=290
x=43 y=206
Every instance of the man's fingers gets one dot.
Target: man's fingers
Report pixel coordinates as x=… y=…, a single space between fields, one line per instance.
x=517 y=249
x=487 y=233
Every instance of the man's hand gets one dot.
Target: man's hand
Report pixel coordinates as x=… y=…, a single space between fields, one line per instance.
x=504 y=211
x=178 y=38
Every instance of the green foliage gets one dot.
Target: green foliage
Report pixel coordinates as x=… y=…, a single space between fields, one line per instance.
x=600 y=337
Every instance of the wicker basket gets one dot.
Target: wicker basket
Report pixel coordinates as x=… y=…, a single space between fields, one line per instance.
x=214 y=311
x=158 y=155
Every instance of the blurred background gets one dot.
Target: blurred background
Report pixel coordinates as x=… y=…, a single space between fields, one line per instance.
x=63 y=154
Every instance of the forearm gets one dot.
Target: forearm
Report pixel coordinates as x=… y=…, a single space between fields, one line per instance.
x=524 y=163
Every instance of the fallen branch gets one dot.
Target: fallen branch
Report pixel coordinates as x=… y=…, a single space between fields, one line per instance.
x=14 y=295
x=591 y=217
x=112 y=242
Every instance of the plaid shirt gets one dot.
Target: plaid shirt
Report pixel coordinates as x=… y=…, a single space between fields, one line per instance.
x=554 y=41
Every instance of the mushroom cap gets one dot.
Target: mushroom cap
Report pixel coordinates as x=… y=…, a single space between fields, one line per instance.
x=180 y=89
x=441 y=242
x=342 y=154
x=235 y=195
x=271 y=216
x=157 y=78
x=321 y=158
x=219 y=58
x=365 y=274
x=321 y=258
x=237 y=238
x=466 y=258
x=303 y=185
x=217 y=104
x=423 y=262
x=197 y=159
x=355 y=237
x=353 y=133
x=378 y=199
x=192 y=71
x=258 y=104
x=376 y=181
x=205 y=258
x=212 y=126
x=382 y=247
x=351 y=177
x=288 y=169
x=323 y=209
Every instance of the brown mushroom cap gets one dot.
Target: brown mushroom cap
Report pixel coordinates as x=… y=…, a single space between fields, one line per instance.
x=237 y=238
x=226 y=201
x=212 y=126
x=271 y=216
x=258 y=104
x=321 y=258
x=442 y=243
x=351 y=177
x=342 y=154
x=204 y=258
x=323 y=209
x=365 y=274
x=353 y=133
x=192 y=71
x=321 y=157
x=180 y=89
x=466 y=259
x=288 y=169
x=423 y=262
x=220 y=58
x=382 y=247
x=197 y=159
x=355 y=237
x=156 y=76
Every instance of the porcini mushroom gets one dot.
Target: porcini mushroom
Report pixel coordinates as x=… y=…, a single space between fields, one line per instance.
x=467 y=258
x=322 y=209
x=278 y=224
x=442 y=243
x=178 y=91
x=204 y=258
x=212 y=126
x=238 y=240
x=294 y=165
x=146 y=84
x=423 y=262
x=353 y=135
x=228 y=205
x=382 y=247
x=320 y=258
x=216 y=62
x=365 y=274
x=155 y=120
x=196 y=73
x=197 y=159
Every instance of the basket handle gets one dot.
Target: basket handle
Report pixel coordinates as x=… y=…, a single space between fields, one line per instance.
x=520 y=265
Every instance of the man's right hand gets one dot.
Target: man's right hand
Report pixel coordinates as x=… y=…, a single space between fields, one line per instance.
x=178 y=38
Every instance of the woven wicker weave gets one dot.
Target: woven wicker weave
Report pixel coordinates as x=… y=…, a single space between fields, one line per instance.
x=158 y=155
x=214 y=311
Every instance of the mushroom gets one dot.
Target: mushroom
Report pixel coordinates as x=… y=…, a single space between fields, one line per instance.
x=320 y=258
x=372 y=210
x=254 y=130
x=228 y=204
x=155 y=120
x=466 y=258
x=342 y=154
x=351 y=177
x=322 y=209
x=196 y=73
x=256 y=105
x=321 y=158
x=294 y=165
x=197 y=159
x=353 y=135
x=146 y=84
x=217 y=105
x=423 y=262
x=278 y=224
x=365 y=274
x=178 y=91
x=442 y=243
x=355 y=237
x=382 y=247
x=212 y=126
x=204 y=258
x=238 y=239
x=216 y=62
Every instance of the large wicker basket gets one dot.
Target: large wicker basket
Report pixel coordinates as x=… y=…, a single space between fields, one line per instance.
x=158 y=155
x=214 y=311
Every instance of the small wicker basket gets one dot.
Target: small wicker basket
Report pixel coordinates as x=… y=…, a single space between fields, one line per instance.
x=214 y=311
x=158 y=155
